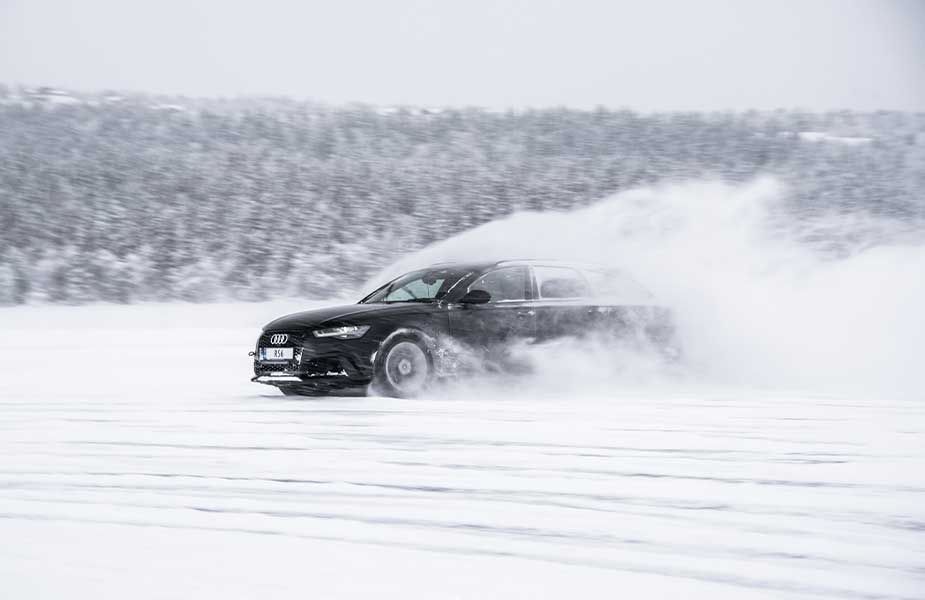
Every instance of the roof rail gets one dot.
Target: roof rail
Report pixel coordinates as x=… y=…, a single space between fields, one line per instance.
x=550 y=261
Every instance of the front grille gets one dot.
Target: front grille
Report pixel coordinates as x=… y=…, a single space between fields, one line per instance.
x=295 y=342
x=264 y=368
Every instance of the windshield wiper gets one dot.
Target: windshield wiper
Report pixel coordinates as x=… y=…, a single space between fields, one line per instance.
x=423 y=300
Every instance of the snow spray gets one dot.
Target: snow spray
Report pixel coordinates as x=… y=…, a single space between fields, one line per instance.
x=755 y=304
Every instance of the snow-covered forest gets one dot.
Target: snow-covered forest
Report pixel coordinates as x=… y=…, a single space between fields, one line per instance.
x=127 y=198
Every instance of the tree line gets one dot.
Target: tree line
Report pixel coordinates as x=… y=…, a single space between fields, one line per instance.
x=141 y=198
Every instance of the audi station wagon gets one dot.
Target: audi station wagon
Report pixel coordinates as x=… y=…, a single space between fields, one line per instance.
x=414 y=330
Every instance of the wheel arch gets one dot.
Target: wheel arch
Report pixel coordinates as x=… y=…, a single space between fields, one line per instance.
x=428 y=340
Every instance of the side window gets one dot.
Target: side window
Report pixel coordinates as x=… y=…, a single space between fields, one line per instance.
x=508 y=283
x=561 y=282
x=617 y=286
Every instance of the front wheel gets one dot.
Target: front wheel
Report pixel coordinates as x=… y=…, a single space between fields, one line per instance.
x=403 y=368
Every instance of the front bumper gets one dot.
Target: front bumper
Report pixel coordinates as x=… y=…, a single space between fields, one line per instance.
x=331 y=373
x=325 y=363
x=318 y=384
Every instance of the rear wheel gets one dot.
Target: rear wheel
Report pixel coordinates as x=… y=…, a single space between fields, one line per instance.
x=403 y=368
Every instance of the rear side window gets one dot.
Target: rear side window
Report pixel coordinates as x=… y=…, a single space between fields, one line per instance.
x=509 y=283
x=561 y=282
x=617 y=286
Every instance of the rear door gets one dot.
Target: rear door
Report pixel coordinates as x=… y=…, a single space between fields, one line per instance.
x=562 y=306
x=508 y=316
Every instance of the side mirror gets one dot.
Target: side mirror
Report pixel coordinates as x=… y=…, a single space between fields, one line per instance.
x=475 y=297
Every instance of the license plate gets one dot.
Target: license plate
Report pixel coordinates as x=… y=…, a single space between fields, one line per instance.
x=276 y=354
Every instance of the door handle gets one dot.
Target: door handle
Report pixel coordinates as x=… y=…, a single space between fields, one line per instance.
x=526 y=313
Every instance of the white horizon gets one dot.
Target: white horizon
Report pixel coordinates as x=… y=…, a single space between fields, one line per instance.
x=714 y=55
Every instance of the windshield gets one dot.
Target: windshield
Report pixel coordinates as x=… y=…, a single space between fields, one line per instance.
x=429 y=285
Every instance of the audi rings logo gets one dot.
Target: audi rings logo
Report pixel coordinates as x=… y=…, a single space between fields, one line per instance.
x=279 y=338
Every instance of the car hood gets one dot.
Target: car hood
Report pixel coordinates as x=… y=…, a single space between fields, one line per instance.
x=348 y=314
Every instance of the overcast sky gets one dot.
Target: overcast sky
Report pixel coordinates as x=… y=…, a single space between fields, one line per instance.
x=644 y=54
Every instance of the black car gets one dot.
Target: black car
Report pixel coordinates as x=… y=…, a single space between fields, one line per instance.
x=414 y=329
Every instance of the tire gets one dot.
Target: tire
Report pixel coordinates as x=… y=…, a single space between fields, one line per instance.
x=404 y=368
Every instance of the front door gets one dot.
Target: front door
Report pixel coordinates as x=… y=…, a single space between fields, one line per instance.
x=507 y=318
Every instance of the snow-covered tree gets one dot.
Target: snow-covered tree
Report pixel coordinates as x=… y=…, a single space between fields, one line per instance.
x=254 y=198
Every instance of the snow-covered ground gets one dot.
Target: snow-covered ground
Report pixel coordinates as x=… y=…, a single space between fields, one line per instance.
x=138 y=461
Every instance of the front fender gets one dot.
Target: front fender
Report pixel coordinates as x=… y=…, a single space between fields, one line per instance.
x=443 y=352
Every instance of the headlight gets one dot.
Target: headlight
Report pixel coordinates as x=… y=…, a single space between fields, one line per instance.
x=347 y=332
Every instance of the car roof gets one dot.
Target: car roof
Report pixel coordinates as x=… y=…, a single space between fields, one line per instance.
x=512 y=262
x=551 y=263
x=461 y=266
